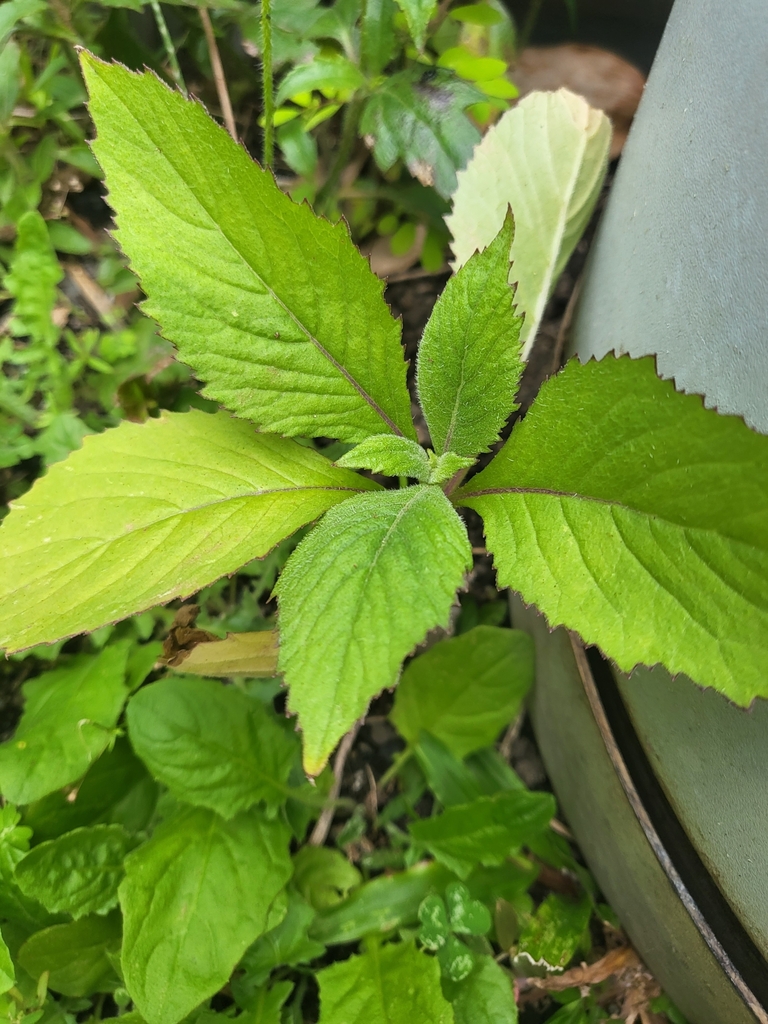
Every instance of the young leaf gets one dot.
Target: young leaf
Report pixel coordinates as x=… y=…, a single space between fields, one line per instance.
x=241 y=654
x=356 y=596
x=555 y=932
x=194 y=898
x=486 y=831
x=422 y=122
x=469 y=362
x=274 y=308
x=546 y=158
x=76 y=955
x=286 y=945
x=78 y=873
x=32 y=281
x=181 y=500
x=466 y=689
x=486 y=996
x=320 y=73
x=632 y=514
x=392 y=456
x=7 y=971
x=418 y=14
x=392 y=984
x=323 y=876
x=68 y=718
x=212 y=745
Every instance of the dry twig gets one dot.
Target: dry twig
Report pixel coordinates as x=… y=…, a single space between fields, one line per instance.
x=323 y=825
x=218 y=74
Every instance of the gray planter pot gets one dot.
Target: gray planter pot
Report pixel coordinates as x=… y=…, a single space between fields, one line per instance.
x=664 y=784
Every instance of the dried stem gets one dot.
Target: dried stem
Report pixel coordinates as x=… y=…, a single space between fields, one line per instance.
x=323 y=825
x=170 y=49
x=267 y=84
x=218 y=74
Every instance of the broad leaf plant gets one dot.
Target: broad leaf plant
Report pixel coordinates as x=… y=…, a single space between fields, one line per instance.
x=622 y=509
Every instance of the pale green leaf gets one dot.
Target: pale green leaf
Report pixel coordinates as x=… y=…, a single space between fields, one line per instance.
x=77 y=955
x=7 y=971
x=392 y=456
x=418 y=14
x=392 y=984
x=78 y=873
x=469 y=364
x=464 y=690
x=274 y=308
x=546 y=158
x=486 y=996
x=320 y=73
x=212 y=745
x=68 y=720
x=421 y=121
x=486 y=831
x=10 y=80
x=180 y=500
x=635 y=516
x=194 y=898
x=14 y=840
x=323 y=876
x=556 y=931
x=240 y=654
x=32 y=281
x=286 y=945
x=356 y=596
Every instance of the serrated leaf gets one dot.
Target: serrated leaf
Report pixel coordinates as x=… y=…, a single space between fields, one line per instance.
x=556 y=931
x=422 y=122
x=320 y=73
x=635 y=516
x=112 y=785
x=323 y=876
x=546 y=158
x=68 y=718
x=418 y=14
x=486 y=996
x=76 y=955
x=356 y=596
x=464 y=690
x=288 y=944
x=274 y=308
x=445 y=466
x=7 y=971
x=194 y=898
x=469 y=364
x=392 y=984
x=212 y=745
x=392 y=456
x=182 y=500
x=32 y=280
x=240 y=654
x=78 y=873
x=486 y=831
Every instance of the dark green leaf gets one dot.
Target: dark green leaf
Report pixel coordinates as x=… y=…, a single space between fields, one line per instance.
x=274 y=308
x=79 y=872
x=76 y=955
x=418 y=14
x=421 y=122
x=69 y=718
x=194 y=898
x=448 y=778
x=288 y=944
x=632 y=514
x=464 y=690
x=469 y=363
x=456 y=960
x=7 y=972
x=211 y=744
x=486 y=996
x=467 y=916
x=320 y=73
x=377 y=37
x=392 y=984
x=343 y=636
x=485 y=831
x=434 y=929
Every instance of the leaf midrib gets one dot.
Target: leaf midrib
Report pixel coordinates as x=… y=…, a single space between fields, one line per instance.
x=305 y=330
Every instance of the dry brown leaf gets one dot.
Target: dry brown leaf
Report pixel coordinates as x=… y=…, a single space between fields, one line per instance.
x=183 y=636
x=240 y=654
x=604 y=79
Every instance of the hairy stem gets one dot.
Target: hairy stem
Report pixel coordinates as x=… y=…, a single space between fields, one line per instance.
x=170 y=49
x=267 y=83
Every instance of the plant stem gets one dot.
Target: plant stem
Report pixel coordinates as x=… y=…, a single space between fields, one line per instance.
x=534 y=9
x=170 y=49
x=352 y=113
x=267 y=83
x=402 y=758
x=218 y=73
x=323 y=825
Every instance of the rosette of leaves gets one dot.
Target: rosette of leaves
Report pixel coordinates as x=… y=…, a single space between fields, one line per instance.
x=623 y=509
